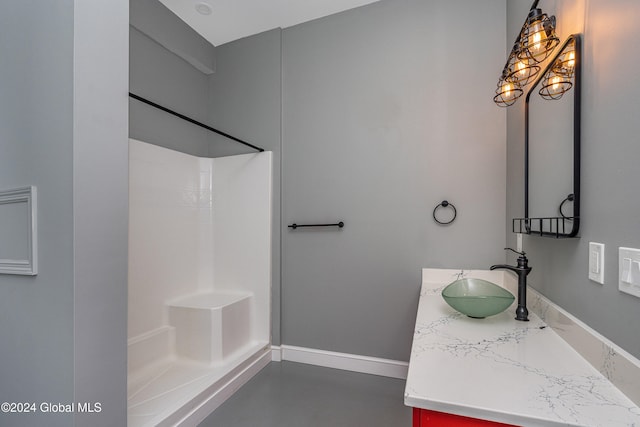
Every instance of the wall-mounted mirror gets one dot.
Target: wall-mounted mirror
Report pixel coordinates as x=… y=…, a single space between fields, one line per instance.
x=552 y=147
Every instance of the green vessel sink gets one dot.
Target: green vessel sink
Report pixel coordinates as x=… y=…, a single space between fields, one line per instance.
x=477 y=298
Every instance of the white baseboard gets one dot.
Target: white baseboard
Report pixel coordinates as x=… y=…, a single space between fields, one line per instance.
x=198 y=414
x=276 y=353
x=344 y=361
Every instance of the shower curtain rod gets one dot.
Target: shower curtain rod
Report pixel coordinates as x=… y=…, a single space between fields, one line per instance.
x=190 y=120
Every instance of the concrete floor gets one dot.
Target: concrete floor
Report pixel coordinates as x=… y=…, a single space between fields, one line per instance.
x=288 y=394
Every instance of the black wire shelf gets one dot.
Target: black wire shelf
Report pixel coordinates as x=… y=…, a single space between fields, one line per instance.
x=556 y=226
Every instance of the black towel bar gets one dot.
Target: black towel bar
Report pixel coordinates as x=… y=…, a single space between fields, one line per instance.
x=294 y=225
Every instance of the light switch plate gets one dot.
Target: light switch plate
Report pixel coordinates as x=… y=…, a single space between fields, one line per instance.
x=629 y=271
x=596 y=262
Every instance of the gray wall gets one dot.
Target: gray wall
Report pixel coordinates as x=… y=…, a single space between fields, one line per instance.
x=100 y=209
x=376 y=117
x=159 y=74
x=245 y=100
x=610 y=102
x=63 y=331
x=36 y=137
x=387 y=111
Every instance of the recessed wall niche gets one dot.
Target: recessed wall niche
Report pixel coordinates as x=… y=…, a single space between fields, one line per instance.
x=18 y=231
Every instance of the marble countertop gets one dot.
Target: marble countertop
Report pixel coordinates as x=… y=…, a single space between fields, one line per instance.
x=503 y=370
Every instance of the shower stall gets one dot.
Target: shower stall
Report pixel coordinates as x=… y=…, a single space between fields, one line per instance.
x=199 y=280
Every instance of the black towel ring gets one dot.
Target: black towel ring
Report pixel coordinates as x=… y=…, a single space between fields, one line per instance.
x=569 y=198
x=445 y=204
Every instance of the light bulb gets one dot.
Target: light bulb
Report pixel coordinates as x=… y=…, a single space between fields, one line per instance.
x=521 y=67
x=506 y=89
x=536 y=35
x=536 y=39
x=555 y=81
x=572 y=59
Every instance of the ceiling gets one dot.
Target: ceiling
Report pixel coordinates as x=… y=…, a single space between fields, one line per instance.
x=234 y=19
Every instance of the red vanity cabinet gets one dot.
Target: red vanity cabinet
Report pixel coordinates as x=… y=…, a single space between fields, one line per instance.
x=427 y=418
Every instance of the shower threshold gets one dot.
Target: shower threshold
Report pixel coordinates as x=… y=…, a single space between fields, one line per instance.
x=180 y=392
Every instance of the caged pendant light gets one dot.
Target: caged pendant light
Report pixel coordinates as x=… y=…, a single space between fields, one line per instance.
x=538 y=37
x=507 y=93
x=566 y=63
x=557 y=81
x=520 y=70
x=536 y=41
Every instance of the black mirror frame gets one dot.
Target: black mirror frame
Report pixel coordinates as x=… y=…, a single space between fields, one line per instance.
x=576 y=151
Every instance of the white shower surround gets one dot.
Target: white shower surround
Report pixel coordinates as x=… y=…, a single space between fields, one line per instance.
x=199 y=229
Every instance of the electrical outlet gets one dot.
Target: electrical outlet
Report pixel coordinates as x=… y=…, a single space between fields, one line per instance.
x=596 y=262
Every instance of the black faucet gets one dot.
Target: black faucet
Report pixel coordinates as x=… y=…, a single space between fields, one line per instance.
x=522 y=270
